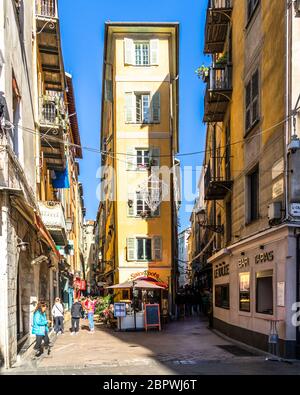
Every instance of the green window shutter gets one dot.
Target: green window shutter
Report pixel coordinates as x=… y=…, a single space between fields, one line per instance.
x=128 y=51
x=129 y=107
x=131 y=204
x=155 y=157
x=108 y=90
x=131 y=159
x=154 y=52
x=131 y=249
x=156 y=108
x=157 y=248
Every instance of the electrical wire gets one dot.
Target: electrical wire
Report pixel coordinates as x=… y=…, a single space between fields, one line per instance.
x=115 y=154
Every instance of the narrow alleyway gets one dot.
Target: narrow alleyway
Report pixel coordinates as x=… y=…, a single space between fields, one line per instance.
x=185 y=347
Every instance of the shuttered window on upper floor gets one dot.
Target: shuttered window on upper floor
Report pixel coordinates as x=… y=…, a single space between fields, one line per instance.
x=144 y=248
x=142 y=107
x=252 y=101
x=141 y=53
x=251 y=7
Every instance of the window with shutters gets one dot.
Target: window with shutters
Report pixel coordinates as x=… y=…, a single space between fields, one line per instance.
x=252 y=101
x=142 y=107
x=251 y=7
x=141 y=53
x=142 y=159
x=144 y=248
x=138 y=206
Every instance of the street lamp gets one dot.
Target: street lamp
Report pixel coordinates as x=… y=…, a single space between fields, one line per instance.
x=22 y=245
x=202 y=221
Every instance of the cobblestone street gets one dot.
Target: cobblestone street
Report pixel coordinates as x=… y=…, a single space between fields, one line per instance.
x=185 y=347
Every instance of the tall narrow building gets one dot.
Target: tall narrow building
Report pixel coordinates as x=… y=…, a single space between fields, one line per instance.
x=139 y=136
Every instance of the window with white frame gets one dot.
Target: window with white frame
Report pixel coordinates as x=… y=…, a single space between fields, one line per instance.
x=142 y=159
x=144 y=248
x=138 y=206
x=142 y=107
x=141 y=52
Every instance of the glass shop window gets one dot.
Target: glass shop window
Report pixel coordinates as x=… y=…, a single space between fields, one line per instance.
x=222 y=297
x=245 y=292
x=264 y=292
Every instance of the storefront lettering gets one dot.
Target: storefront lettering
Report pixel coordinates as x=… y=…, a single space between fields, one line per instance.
x=146 y=273
x=243 y=262
x=264 y=257
x=222 y=271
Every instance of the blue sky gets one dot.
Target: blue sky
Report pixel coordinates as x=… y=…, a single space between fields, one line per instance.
x=82 y=29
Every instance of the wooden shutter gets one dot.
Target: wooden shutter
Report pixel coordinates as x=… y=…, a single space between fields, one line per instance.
x=248 y=106
x=131 y=249
x=129 y=107
x=255 y=95
x=128 y=51
x=131 y=209
x=154 y=155
x=157 y=248
x=131 y=159
x=154 y=52
x=108 y=96
x=156 y=108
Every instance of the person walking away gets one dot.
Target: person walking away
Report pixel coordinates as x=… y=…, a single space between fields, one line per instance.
x=58 y=315
x=90 y=308
x=40 y=329
x=76 y=314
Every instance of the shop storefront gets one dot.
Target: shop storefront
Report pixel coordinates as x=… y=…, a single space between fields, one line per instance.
x=254 y=287
x=154 y=290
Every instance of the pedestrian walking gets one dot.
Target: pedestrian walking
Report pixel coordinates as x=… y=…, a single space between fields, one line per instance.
x=40 y=329
x=58 y=316
x=90 y=309
x=76 y=314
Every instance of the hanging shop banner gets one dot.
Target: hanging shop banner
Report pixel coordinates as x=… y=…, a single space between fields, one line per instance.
x=152 y=316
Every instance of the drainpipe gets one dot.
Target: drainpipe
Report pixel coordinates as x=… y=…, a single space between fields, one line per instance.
x=287 y=102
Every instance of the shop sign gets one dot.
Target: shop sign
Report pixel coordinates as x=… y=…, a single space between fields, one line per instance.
x=120 y=310
x=264 y=257
x=295 y=209
x=222 y=271
x=145 y=273
x=243 y=262
x=281 y=294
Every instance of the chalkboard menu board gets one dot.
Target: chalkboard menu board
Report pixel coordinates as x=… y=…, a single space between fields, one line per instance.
x=152 y=316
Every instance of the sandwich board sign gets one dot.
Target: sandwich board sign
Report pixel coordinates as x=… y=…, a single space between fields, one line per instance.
x=120 y=310
x=152 y=316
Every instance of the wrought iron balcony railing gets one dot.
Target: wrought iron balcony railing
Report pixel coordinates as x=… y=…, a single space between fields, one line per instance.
x=46 y=8
x=215 y=187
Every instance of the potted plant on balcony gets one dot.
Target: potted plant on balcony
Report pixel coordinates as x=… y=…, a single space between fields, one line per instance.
x=222 y=60
x=203 y=73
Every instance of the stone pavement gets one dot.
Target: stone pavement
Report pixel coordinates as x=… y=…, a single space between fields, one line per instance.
x=184 y=347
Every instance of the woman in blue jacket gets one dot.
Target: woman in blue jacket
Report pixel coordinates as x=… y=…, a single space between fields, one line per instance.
x=40 y=328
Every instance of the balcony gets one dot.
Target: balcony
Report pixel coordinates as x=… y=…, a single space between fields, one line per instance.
x=46 y=8
x=217 y=23
x=215 y=188
x=218 y=93
x=52 y=125
x=54 y=219
x=48 y=38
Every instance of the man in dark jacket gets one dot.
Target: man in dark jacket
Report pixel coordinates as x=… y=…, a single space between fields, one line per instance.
x=76 y=312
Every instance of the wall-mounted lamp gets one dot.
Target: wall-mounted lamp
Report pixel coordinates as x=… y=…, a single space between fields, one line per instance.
x=22 y=245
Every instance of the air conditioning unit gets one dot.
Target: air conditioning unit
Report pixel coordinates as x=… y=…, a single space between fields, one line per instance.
x=274 y=211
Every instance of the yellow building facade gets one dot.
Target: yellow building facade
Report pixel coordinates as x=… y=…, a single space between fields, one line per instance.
x=139 y=135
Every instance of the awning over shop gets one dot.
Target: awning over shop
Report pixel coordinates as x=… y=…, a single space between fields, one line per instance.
x=138 y=284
